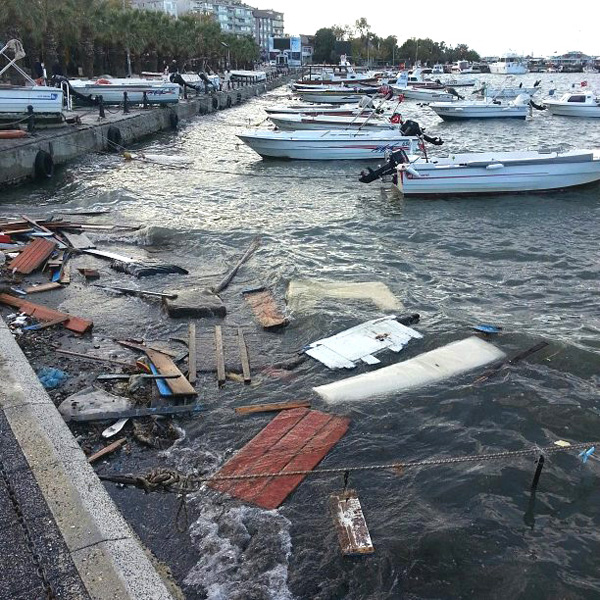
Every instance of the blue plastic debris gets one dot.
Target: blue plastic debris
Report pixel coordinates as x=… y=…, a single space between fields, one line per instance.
x=585 y=454
x=51 y=378
x=490 y=329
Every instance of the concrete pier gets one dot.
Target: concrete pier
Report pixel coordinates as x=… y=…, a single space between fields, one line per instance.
x=35 y=156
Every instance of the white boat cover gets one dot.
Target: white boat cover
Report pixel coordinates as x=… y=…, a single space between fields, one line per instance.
x=430 y=367
x=303 y=294
x=345 y=349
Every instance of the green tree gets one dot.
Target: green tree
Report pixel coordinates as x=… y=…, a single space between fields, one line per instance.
x=324 y=48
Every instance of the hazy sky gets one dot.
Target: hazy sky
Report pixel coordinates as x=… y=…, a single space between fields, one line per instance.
x=524 y=27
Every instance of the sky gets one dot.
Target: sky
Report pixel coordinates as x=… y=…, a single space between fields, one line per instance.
x=538 y=28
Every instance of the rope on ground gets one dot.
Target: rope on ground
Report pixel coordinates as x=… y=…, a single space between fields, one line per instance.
x=168 y=480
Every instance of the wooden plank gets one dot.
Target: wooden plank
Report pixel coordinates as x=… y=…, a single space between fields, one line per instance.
x=192 y=367
x=106 y=450
x=132 y=413
x=244 y=357
x=165 y=366
x=265 y=309
x=243 y=460
x=47 y=324
x=112 y=361
x=33 y=256
x=79 y=241
x=44 y=287
x=143 y=348
x=65 y=273
x=276 y=490
x=76 y=324
x=256 y=408
x=219 y=355
x=351 y=524
x=36 y=224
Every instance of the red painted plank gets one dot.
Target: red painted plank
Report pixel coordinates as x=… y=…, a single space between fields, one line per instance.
x=42 y=313
x=280 y=454
x=32 y=257
x=258 y=446
x=278 y=489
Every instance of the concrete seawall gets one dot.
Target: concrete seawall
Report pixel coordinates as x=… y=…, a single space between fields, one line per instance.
x=64 y=143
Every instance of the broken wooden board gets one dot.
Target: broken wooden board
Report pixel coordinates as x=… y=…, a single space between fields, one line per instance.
x=345 y=349
x=256 y=408
x=42 y=313
x=106 y=450
x=133 y=413
x=192 y=367
x=44 y=287
x=221 y=377
x=89 y=273
x=33 y=256
x=244 y=357
x=165 y=366
x=265 y=309
x=295 y=440
x=350 y=523
x=79 y=241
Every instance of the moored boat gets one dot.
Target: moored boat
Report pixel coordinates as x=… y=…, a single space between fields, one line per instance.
x=490 y=172
x=423 y=94
x=508 y=64
x=298 y=122
x=482 y=109
x=111 y=90
x=581 y=104
x=338 y=95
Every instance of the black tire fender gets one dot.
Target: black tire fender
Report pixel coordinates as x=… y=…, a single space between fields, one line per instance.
x=43 y=165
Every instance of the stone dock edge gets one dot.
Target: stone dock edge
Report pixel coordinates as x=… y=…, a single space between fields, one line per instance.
x=107 y=554
x=66 y=143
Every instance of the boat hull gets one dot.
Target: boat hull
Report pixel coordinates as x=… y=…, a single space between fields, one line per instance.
x=570 y=109
x=327 y=145
x=508 y=69
x=43 y=99
x=167 y=93
x=510 y=92
x=423 y=95
x=477 y=174
x=459 y=112
x=305 y=122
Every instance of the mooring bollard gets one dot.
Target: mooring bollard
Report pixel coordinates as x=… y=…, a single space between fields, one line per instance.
x=125 y=104
x=145 y=100
x=30 y=119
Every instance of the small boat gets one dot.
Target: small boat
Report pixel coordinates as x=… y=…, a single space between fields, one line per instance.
x=337 y=95
x=329 y=144
x=582 y=104
x=425 y=95
x=482 y=109
x=241 y=75
x=297 y=122
x=508 y=64
x=490 y=172
x=342 y=110
x=16 y=99
x=111 y=90
x=458 y=82
x=510 y=91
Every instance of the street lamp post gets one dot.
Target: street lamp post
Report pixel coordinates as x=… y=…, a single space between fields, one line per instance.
x=228 y=65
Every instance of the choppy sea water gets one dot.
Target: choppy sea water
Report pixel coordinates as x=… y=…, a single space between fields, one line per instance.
x=527 y=262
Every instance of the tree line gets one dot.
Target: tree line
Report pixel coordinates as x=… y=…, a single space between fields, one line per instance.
x=362 y=45
x=96 y=36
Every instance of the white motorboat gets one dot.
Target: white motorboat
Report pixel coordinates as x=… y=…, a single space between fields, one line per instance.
x=509 y=64
x=331 y=144
x=509 y=91
x=490 y=172
x=582 y=104
x=16 y=99
x=438 y=69
x=423 y=94
x=111 y=90
x=342 y=110
x=458 y=82
x=241 y=75
x=482 y=109
x=335 y=95
x=298 y=122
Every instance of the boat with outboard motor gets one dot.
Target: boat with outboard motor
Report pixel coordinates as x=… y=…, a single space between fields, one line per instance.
x=336 y=144
x=365 y=104
x=299 y=122
x=508 y=91
x=335 y=95
x=518 y=108
x=43 y=99
x=579 y=104
x=112 y=89
x=489 y=172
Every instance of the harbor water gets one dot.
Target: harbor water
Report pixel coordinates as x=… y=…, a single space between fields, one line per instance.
x=529 y=263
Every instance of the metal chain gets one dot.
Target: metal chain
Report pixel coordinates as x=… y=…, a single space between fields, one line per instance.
x=50 y=593
x=162 y=479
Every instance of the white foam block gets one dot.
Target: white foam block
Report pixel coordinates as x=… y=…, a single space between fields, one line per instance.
x=430 y=367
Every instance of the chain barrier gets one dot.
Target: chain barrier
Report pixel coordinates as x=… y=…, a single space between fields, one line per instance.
x=40 y=571
x=169 y=480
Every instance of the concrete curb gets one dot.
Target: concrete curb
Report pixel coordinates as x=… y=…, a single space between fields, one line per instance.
x=107 y=554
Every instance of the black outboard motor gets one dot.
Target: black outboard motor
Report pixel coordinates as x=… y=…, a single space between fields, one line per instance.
x=412 y=128
x=395 y=159
x=452 y=91
x=92 y=100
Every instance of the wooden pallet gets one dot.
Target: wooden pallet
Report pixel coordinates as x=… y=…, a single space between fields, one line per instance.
x=295 y=440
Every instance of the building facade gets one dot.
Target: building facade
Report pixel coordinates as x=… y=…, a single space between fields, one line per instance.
x=232 y=15
x=267 y=23
x=169 y=7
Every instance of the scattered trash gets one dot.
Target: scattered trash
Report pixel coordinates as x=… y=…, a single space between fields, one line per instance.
x=130 y=413
x=44 y=287
x=511 y=361
x=265 y=308
x=228 y=278
x=562 y=443
x=360 y=343
x=351 y=525
x=51 y=378
x=256 y=408
x=487 y=329
x=134 y=292
x=431 y=367
x=114 y=428
x=89 y=273
x=90 y=402
x=32 y=257
x=586 y=454
x=198 y=304
x=145 y=270
x=106 y=450
x=179 y=386
x=302 y=295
